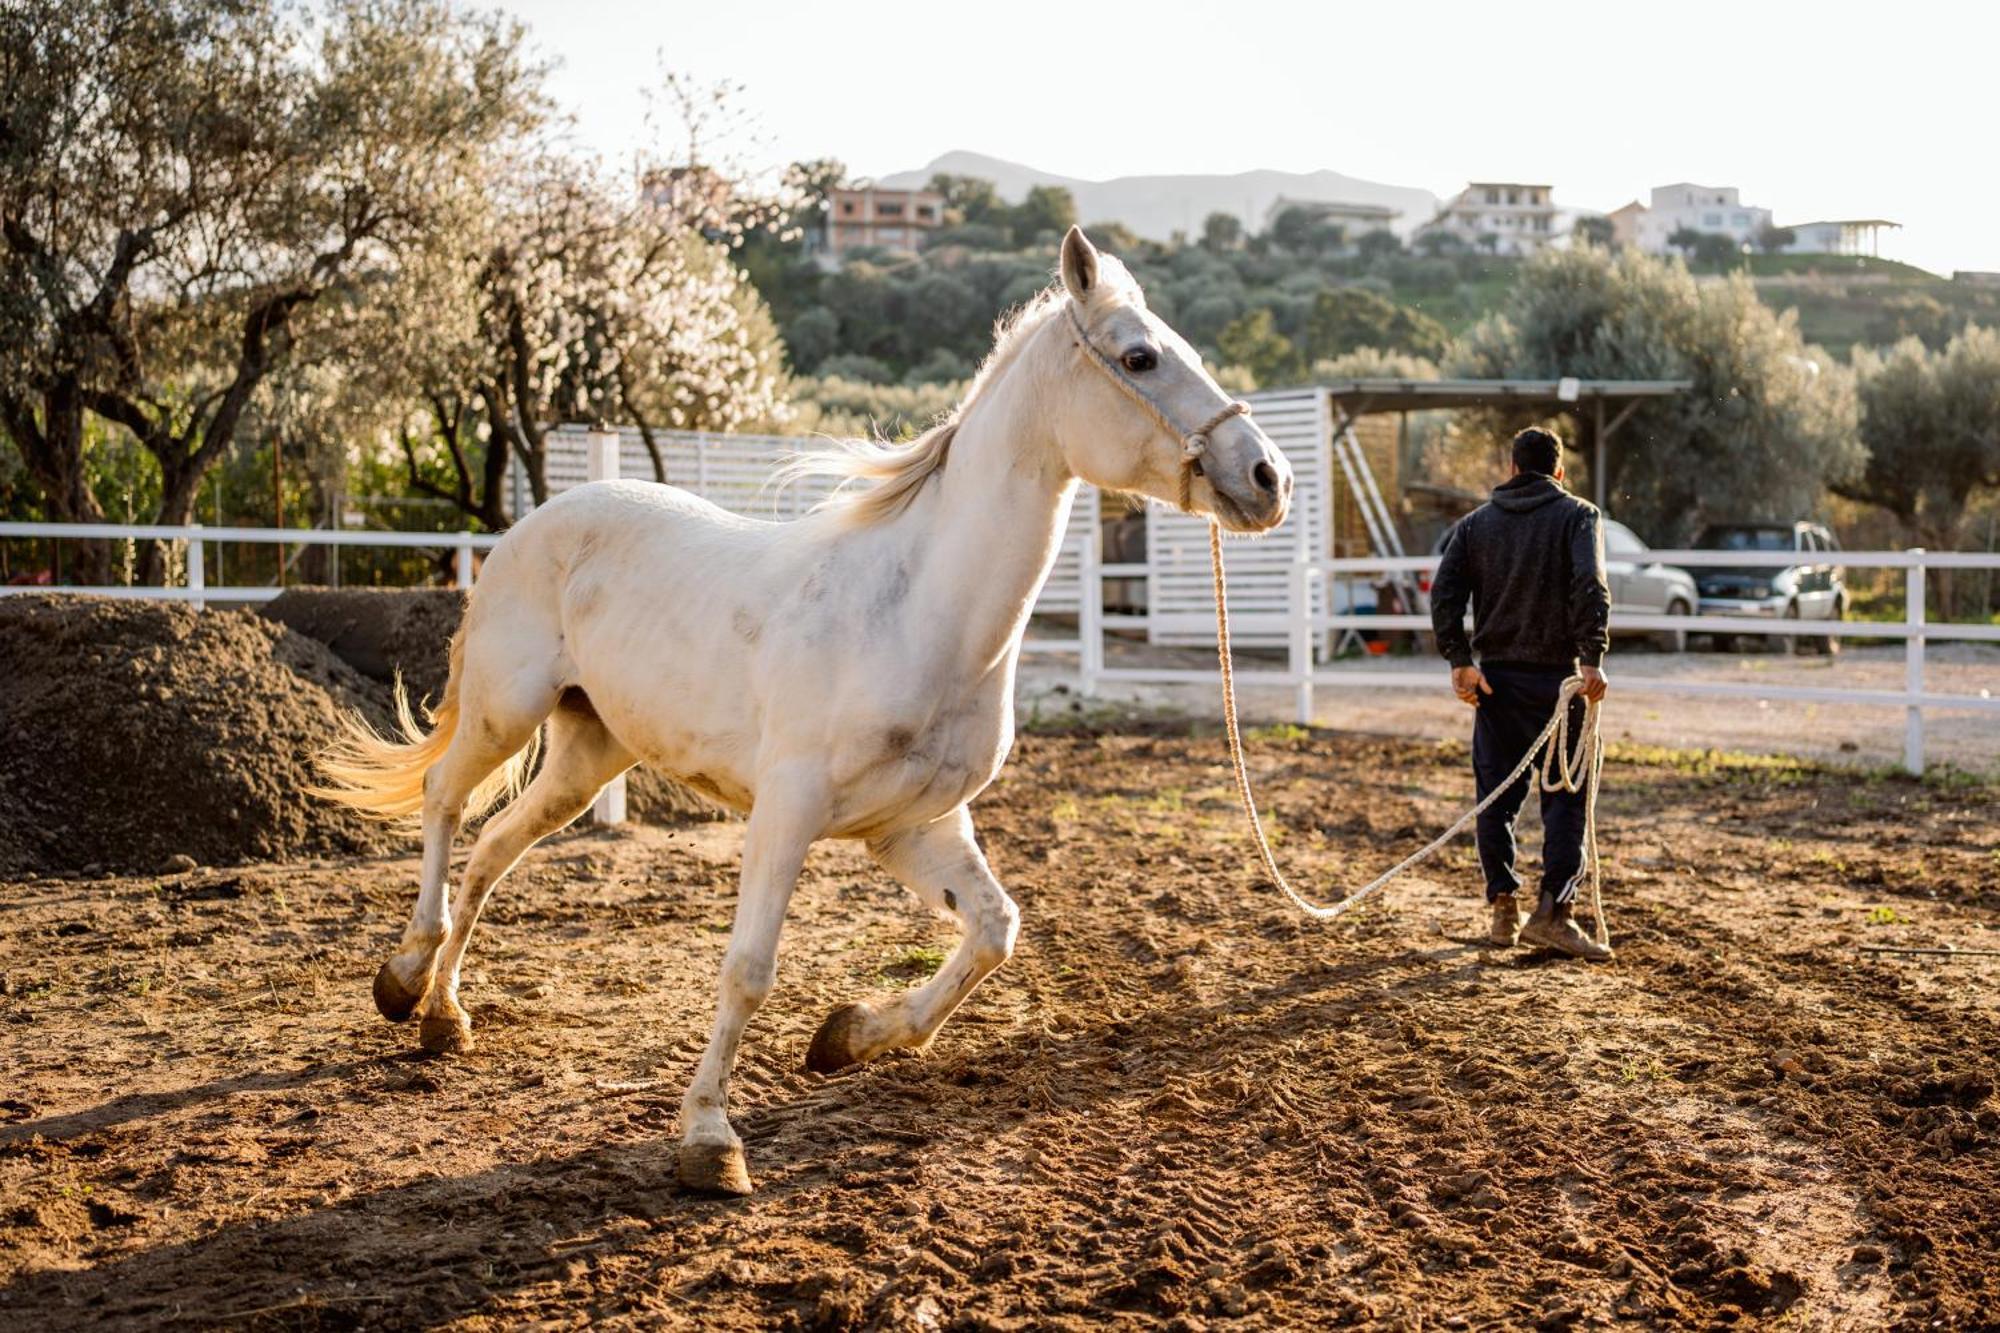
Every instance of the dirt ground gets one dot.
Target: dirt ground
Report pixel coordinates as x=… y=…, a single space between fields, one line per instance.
x=1180 y=1104
x=1854 y=735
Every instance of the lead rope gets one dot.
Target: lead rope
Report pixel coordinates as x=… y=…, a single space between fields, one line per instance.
x=1564 y=768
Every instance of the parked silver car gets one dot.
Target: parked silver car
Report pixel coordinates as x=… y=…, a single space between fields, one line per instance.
x=1813 y=589
x=1640 y=585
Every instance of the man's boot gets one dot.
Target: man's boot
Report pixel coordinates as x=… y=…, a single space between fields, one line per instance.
x=1505 y=931
x=1552 y=927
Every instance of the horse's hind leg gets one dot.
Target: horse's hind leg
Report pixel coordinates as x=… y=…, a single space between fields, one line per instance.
x=942 y=864
x=582 y=756
x=496 y=720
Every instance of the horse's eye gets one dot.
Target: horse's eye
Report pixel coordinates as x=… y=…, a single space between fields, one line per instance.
x=1140 y=360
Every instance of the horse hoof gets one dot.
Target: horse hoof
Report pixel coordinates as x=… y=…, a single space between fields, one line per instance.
x=715 y=1168
x=449 y=1034
x=395 y=1000
x=833 y=1045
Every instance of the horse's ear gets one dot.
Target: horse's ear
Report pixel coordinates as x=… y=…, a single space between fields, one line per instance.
x=1079 y=264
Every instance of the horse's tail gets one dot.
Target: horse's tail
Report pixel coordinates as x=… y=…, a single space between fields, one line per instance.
x=383 y=776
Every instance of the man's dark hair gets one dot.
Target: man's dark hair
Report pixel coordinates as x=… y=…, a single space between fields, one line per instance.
x=1535 y=450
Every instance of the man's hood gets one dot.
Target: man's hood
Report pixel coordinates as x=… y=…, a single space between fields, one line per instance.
x=1530 y=490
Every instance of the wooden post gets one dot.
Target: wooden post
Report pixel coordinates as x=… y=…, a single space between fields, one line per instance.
x=278 y=499
x=601 y=450
x=197 y=573
x=1090 y=610
x=1301 y=608
x=1913 y=666
x=1597 y=463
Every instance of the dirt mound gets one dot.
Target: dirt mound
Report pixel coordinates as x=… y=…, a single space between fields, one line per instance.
x=379 y=631
x=132 y=733
x=382 y=631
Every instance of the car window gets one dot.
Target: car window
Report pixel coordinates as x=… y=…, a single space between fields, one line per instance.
x=1619 y=540
x=1809 y=540
x=1746 y=539
x=1827 y=541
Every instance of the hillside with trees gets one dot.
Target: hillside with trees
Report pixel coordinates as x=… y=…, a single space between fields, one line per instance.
x=1302 y=293
x=340 y=263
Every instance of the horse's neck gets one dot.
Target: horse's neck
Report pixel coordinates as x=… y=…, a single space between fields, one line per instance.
x=990 y=523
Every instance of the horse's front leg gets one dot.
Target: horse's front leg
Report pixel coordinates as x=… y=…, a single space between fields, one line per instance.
x=942 y=864
x=787 y=817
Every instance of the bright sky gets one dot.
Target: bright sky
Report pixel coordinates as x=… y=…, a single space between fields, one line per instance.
x=1825 y=110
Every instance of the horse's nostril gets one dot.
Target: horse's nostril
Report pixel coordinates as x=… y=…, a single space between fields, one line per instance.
x=1265 y=476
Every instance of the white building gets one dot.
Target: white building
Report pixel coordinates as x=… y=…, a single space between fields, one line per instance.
x=1851 y=236
x=1715 y=210
x=1356 y=220
x=1506 y=217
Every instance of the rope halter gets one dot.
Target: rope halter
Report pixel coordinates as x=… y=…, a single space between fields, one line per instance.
x=1194 y=443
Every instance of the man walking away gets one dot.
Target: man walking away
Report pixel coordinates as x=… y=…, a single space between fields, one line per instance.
x=1530 y=562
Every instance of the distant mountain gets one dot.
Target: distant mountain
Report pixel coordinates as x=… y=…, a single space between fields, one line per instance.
x=1157 y=206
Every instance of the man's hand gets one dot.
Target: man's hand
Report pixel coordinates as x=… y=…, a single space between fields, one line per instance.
x=1468 y=682
x=1594 y=683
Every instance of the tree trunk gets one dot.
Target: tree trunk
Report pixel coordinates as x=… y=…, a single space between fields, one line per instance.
x=483 y=499
x=53 y=451
x=180 y=485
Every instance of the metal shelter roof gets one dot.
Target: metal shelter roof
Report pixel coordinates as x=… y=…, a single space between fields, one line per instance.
x=1361 y=397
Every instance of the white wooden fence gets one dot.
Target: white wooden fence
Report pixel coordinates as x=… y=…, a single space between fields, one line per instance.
x=1301 y=623
x=193 y=537
x=1282 y=588
x=734 y=471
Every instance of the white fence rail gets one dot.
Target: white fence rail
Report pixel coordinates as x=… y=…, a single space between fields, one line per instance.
x=197 y=589
x=1300 y=625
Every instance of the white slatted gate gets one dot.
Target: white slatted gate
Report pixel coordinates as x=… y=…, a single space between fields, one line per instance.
x=734 y=473
x=1181 y=602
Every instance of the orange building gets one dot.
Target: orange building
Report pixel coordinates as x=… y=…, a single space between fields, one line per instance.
x=885 y=219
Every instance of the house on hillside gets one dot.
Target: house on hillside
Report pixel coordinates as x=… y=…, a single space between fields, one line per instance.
x=1508 y=218
x=1625 y=224
x=1854 y=236
x=1713 y=210
x=869 y=216
x=1354 y=220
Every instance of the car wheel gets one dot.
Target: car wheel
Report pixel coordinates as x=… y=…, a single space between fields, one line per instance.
x=1830 y=644
x=1676 y=640
x=1794 y=643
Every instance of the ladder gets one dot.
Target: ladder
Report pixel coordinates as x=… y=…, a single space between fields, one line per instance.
x=1383 y=538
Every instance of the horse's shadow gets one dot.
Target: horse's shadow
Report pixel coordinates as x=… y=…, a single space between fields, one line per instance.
x=143 y=1105
x=442 y=1249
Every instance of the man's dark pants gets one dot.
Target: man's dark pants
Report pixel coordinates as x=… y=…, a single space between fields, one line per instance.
x=1509 y=719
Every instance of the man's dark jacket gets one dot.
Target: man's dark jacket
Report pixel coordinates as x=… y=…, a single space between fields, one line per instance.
x=1531 y=563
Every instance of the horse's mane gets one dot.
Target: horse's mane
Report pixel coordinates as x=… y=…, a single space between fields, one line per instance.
x=899 y=471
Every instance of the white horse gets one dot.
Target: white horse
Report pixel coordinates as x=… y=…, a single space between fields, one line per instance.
x=847 y=675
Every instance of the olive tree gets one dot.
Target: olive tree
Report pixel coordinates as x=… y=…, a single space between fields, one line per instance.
x=182 y=182
x=1769 y=423
x=1931 y=421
